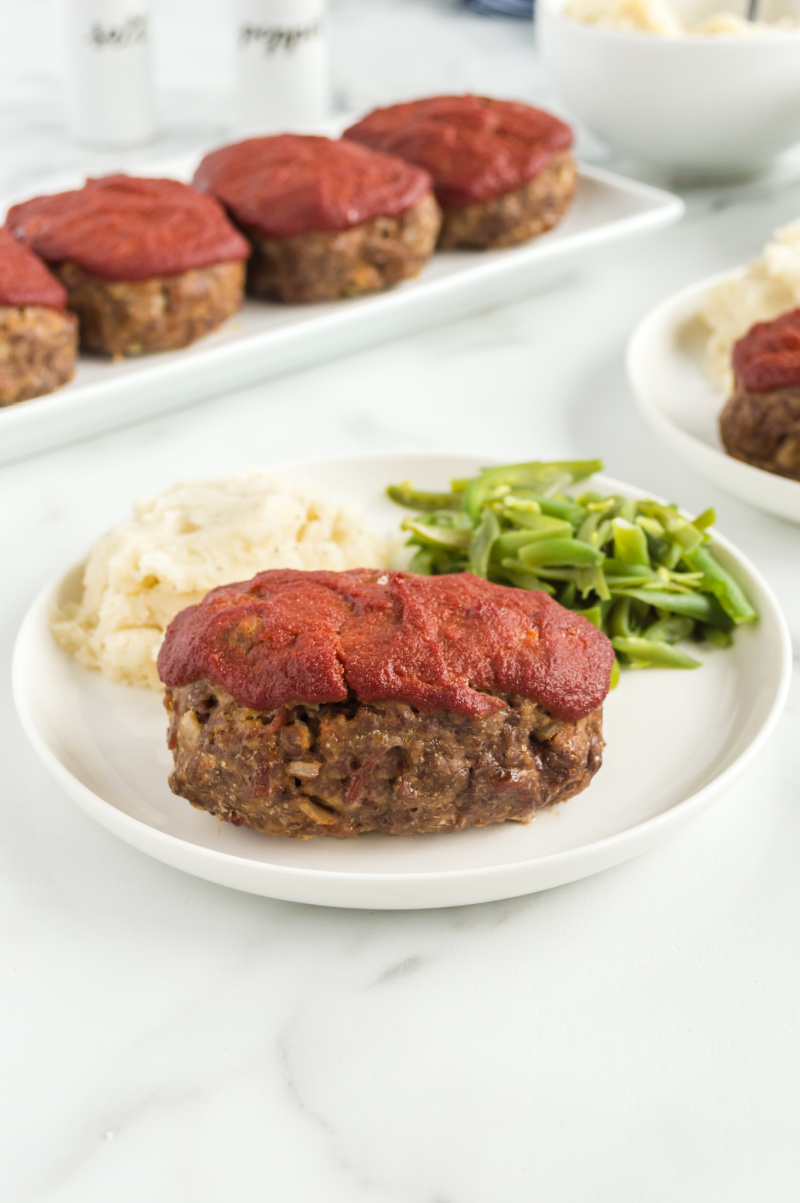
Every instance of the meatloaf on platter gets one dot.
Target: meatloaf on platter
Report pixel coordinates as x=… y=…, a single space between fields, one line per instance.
x=148 y=264
x=502 y=171
x=326 y=219
x=760 y=423
x=335 y=703
x=38 y=338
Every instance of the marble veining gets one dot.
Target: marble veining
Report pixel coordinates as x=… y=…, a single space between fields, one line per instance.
x=631 y=1038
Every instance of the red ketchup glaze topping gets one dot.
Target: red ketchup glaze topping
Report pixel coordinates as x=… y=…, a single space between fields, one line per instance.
x=126 y=228
x=24 y=279
x=768 y=357
x=292 y=184
x=437 y=643
x=475 y=148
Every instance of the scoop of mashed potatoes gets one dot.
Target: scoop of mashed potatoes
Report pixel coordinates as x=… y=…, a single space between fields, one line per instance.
x=646 y=16
x=769 y=287
x=660 y=18
x=187 y=540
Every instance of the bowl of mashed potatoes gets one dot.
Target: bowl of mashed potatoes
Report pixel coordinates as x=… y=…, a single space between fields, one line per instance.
x=685 y=86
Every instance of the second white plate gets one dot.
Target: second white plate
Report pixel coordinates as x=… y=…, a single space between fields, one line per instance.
x=682 y=405
x=675 y=741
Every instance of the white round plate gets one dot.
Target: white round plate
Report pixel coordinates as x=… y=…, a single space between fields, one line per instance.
x=682 y=405
x=675 y=741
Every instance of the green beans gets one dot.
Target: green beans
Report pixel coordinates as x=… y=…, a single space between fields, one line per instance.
x=639 y=570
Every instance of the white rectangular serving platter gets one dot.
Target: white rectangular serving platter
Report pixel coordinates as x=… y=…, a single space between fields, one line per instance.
x=266 y=340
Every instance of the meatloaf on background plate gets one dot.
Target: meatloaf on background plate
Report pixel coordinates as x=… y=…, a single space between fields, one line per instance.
x=760 y=424
x=335 y=703
x=38 y=339
x=326 y=219
x=502 y=171
x=148 y=264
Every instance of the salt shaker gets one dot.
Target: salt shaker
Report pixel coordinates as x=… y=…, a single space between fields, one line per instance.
x=282 y=64
x=110 y=72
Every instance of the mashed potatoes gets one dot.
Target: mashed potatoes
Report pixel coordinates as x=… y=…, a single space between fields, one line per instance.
x=770 y=286
x=191 y=537
x=658 y=17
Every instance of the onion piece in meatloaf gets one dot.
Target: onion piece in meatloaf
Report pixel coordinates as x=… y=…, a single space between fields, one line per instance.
x=335 y=703
x=760 y=423
x=148 y=264
x=502 y=171
x=38 y=339
x=326 y=219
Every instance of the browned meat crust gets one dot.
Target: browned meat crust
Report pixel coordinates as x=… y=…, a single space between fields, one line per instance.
x=37 y=351
x=342 y=768
x=328 y=264
x=516 y=216
x=134 y=317
x=763 y=429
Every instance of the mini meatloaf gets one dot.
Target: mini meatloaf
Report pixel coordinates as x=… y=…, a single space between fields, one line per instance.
x=502 y=171
x=760 y=424
x=38 y=339
x=148 y=265
x=335 y=703
x=326 y=219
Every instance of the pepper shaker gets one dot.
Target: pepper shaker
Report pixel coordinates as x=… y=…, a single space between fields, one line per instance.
x=110 y=71
x=282 y=64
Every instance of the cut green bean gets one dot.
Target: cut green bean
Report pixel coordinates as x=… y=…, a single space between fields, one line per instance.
x=670 y=630
x=652 y=652
x=439 y=536
x=517 y=574
x=416 y=499
x=480 y=547
x=715 y=635
x=569 y=552
x=700 y=606
x=549 y=528
x=719 y=582
x=630 y=543
x=592 y=580
x=706 y=519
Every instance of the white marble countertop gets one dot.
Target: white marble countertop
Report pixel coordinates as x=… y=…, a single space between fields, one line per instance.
x=632 y=1037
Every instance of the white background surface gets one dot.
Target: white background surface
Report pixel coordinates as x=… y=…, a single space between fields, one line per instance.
x=633 y=1037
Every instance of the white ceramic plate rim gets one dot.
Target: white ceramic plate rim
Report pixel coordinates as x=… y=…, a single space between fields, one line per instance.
x=754 y=485
x=577 y=862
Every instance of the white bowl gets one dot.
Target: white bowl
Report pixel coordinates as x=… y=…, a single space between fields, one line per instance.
x=693 y=106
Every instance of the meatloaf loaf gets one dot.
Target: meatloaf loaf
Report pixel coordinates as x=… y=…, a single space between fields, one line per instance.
x=324 y=703
x=760 y=423
x=325 y=219
x=148 y=264
x=502 y=171
x=38 y=339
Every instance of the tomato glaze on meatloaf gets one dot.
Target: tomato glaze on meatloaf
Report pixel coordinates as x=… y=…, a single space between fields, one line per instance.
x=502 y=171
x=326 y=219
x=760 y=423
x=305 y=703
x=148 y=264
x=38 y=339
